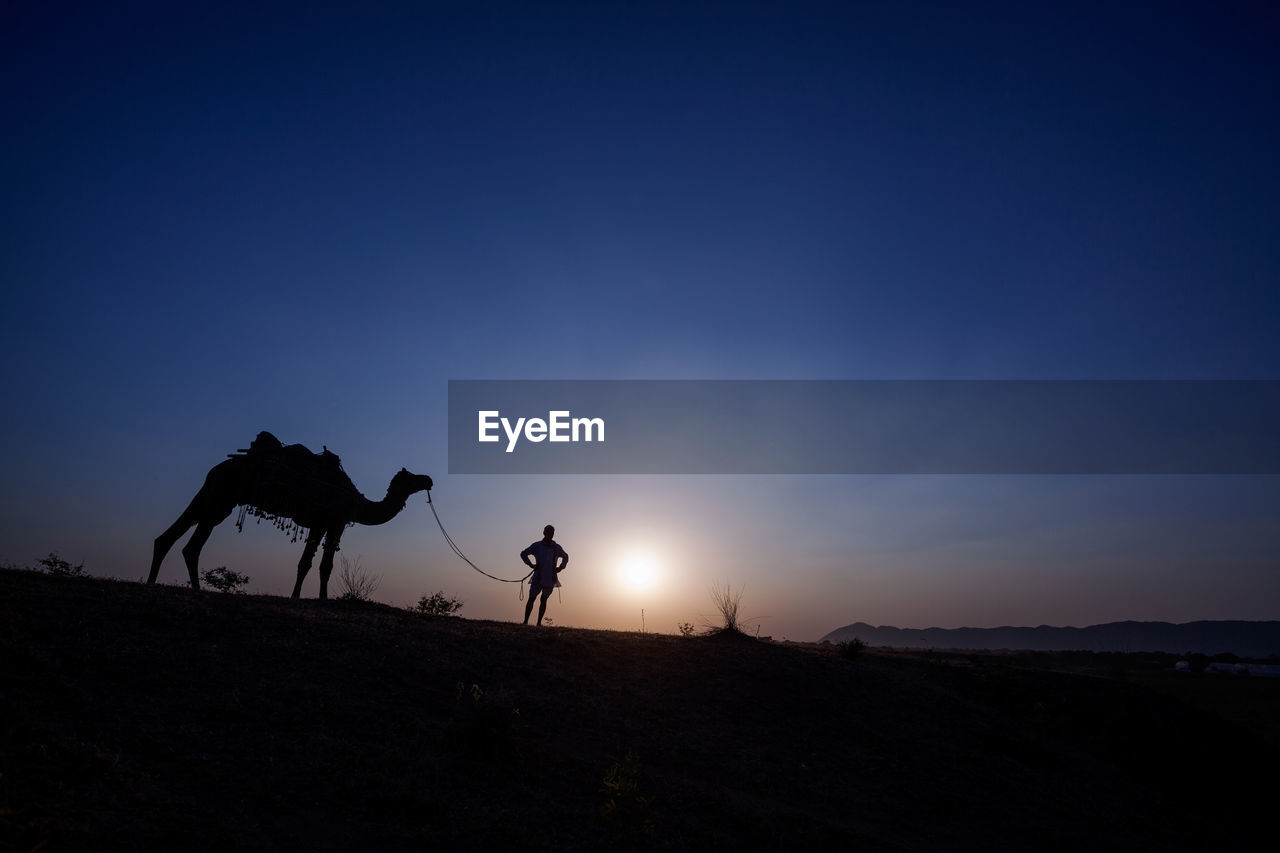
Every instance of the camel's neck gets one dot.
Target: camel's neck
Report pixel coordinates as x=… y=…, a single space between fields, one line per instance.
x=380 y=512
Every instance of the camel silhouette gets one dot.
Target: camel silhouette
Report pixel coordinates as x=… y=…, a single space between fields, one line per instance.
x=291 y=487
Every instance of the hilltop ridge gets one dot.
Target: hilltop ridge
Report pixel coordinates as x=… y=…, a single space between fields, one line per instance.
x=149 y=718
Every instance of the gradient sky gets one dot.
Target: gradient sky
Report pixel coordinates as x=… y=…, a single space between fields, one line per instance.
x=222 y=218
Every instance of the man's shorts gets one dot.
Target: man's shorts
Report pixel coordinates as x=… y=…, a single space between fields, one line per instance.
x=545 y=590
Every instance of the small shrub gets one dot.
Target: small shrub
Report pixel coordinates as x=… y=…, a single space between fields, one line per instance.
x=355 y=583
x=224 y=580
x=58 y=567
x=850 y=649
x=728 y=602
x=438 y=604
x=623 y=801
x=686 y=629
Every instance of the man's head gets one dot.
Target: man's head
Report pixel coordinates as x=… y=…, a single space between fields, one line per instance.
x=548 y=532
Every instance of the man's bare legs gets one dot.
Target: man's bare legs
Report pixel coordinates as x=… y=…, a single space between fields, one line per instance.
x=542 y=607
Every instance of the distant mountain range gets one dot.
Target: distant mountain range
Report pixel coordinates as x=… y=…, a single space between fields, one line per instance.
x=1246 y=639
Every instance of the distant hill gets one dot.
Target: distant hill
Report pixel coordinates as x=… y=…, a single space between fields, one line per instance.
x=1246 y=639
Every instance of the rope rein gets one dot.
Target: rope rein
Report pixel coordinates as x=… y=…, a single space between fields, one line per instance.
x=454 y=547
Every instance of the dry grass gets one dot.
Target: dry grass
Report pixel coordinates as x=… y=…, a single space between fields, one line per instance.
x=355 y=582
x=160 y=718
x=728 y=603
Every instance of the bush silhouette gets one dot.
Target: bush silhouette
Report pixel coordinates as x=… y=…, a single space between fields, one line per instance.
x=355 y=583
x=728 y=602
x=850 y=649
x=224 y=580
x=58 y=567
x=438 y=604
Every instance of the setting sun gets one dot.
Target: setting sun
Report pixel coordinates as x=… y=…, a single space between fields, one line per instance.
x=638 y=572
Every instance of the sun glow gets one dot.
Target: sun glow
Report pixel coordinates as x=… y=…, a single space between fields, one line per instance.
x=638 y=572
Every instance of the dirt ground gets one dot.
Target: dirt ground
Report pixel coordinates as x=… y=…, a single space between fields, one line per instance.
x=157 y=718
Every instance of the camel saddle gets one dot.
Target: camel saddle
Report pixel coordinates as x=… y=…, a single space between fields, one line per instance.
x=291 y=481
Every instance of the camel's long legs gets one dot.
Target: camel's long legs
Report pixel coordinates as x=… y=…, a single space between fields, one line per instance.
x=191 y=551
x=326 y=560
x=308 y=554
x=209 y=508
x=166 y=540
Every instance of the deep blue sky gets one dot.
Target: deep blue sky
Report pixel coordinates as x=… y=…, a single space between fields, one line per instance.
x=277 y=216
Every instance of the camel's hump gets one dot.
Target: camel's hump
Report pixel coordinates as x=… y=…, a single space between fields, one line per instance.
x=269 y=450
x=266 y=441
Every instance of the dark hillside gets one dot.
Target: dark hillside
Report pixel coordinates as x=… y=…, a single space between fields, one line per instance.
x=155 y=718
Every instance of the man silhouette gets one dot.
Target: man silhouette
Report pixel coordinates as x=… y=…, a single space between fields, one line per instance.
x=545 y=553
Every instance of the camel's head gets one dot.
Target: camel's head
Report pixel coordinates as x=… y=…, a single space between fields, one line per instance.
x=407 y=483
